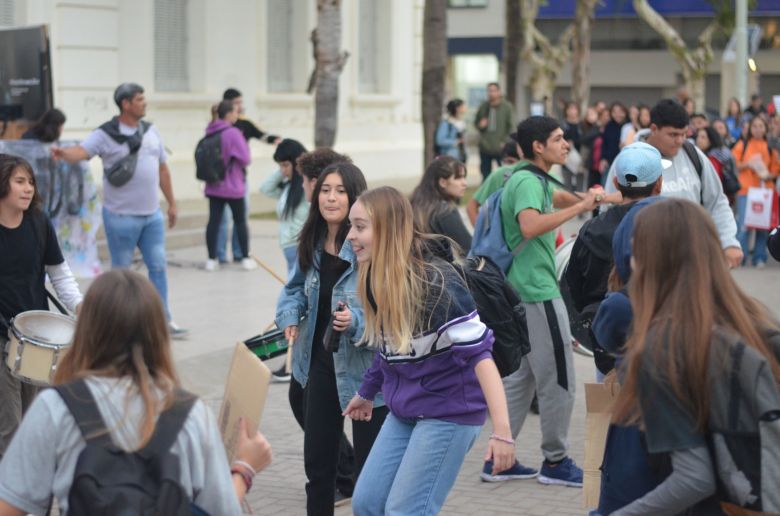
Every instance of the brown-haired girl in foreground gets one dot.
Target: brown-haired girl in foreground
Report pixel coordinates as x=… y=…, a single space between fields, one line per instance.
x=703 y=376
x=121 y=349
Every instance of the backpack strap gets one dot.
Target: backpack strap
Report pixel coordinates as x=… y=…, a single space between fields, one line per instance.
x=690 y=150
x=169 y=424
x=83 y=408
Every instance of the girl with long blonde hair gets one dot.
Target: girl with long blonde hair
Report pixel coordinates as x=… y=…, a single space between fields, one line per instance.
x=702 y=369
x=120 y=362
x=434 y=365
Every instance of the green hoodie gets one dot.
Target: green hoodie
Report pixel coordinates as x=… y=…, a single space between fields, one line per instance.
x=500 y=126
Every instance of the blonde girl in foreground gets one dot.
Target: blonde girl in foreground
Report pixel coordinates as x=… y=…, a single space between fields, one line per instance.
x=434 y=365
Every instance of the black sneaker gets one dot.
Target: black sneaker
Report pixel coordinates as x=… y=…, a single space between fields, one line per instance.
x=341 y=499
x=280 y=375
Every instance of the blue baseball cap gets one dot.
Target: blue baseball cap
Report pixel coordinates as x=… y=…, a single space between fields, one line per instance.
x=638 y=165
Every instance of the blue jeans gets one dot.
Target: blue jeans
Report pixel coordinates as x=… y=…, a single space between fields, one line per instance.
x=412 y=466
x=147 y=232
x=222 y=235
x=743 y=235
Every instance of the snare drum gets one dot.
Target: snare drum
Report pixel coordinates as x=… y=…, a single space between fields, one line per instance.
x=37 y=341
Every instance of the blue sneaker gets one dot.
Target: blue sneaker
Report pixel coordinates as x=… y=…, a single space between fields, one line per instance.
x=565 y=473
x=517 y=471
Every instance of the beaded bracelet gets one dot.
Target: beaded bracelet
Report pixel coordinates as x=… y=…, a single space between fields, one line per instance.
x=244 y=476
x=502 y=439
x=245 y=465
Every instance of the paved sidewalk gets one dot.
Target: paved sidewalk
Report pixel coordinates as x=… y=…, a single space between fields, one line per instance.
x=224 y=307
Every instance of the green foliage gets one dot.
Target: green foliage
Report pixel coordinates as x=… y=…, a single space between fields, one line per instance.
x=724 y=12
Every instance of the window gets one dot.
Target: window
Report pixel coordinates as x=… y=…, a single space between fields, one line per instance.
x=171 y=55
x=7 y=13
x=287 y=45
x=374 y=46
x=467 y=3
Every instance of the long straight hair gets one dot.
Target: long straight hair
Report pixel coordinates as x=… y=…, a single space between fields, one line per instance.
x=315 y=228
x=122 y=332
x=397 y=271
x=290 y=150
x=680 y=288
x=428 y=199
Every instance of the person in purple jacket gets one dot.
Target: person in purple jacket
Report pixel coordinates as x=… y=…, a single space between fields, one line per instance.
x=231 y=190
x=434 y=365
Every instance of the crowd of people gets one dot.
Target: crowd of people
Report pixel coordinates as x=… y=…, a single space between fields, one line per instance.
x=385 y=328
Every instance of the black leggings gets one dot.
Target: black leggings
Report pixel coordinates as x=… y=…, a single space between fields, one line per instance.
x=345 y=480
x=323 y=428
x=216 y=208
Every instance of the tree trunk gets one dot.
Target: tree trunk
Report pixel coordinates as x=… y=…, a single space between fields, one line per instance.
x=329 y=61
x=694 y=83
x=434 y=70
x=548 y=60
x=512 y=45
x=693 y=62
x=542 y=84
x=580 y=71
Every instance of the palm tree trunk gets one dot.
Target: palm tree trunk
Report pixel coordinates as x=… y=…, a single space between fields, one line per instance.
x=434 y=70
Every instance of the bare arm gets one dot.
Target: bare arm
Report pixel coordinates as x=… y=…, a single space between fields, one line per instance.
x=7 y=509
x=472 y=210
x=502 y=453
x=70 y=154
x=166 y=185
x=532 y=223
x=564 y=199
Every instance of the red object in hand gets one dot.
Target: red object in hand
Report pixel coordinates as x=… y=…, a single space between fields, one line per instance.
x=558 y=239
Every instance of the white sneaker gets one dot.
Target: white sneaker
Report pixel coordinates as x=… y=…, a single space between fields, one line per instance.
x=248 y=264
x=176 y=332
x=212 y=265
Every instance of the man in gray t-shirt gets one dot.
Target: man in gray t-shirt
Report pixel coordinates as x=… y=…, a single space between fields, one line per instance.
x=131 y=212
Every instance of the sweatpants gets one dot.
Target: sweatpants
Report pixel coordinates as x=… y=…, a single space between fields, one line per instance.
x=549 y=371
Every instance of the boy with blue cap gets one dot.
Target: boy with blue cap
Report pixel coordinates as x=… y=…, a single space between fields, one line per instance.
x=638 y=175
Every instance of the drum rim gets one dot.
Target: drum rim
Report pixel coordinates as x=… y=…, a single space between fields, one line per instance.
x=15 y=334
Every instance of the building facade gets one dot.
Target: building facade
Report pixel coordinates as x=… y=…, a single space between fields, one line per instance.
x=185 y=53
x=629 y=61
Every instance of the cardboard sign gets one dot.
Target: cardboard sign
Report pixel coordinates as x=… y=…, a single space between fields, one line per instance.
x=599 y=400
x=245 y=393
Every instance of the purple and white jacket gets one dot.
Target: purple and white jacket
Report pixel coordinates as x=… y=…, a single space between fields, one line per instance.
x=437 y=379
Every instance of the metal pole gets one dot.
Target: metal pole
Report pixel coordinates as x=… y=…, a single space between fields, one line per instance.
x=740 y=60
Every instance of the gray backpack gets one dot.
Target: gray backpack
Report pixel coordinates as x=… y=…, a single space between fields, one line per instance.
x=744 y=426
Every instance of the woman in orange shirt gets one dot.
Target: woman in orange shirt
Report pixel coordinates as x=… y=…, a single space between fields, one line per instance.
x=757 y=164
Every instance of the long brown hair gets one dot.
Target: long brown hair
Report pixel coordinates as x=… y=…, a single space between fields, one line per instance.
x=428 y=199
x=315 y=229
x=122 y=332
x=680 y=288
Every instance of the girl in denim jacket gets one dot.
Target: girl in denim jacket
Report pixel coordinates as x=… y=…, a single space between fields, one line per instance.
x=323 y=289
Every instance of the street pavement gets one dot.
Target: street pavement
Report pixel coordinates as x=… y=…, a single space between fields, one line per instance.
x=221 y=308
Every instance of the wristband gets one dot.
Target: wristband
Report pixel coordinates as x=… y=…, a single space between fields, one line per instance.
x=245 y=465
x=502 y=439
x=244 y=476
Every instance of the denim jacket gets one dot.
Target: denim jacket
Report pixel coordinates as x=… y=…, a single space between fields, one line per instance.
x=298 y=305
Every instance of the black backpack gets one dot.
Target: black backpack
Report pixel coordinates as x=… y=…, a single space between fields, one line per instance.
x=209 y=165
x=499 y=308
x=109 y=480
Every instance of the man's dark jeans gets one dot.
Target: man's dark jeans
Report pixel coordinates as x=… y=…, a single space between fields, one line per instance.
x=486 y=163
